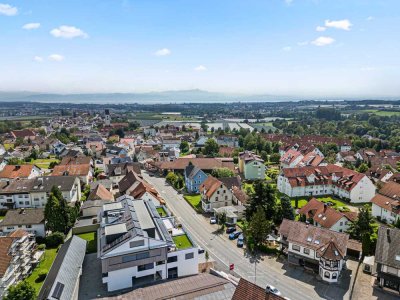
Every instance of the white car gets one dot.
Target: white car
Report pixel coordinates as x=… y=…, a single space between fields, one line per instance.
x=213 y=220
x=273 y=290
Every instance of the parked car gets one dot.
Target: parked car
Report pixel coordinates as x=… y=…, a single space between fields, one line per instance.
x=213 y=220
x=273 y=290
x=240 y=241
x=234 y=235
x=200 y=250
x=230 y=229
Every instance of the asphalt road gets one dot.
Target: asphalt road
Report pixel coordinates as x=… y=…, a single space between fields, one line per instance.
x=298 y=285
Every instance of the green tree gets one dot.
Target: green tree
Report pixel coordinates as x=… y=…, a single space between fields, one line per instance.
x=274 y=158
x=171 y=178
x=287 y=209
x=259 y=227
x=264 y=196
x=56 y=211
x=362 y=229
x=363 y=168
x=222 y=220
x=22 y=291
x=222 y=172
x=211 y=148
x=184 y=147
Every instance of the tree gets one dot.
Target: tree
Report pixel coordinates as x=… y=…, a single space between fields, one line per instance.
x=363 y=168
x=211 y=147
x=135 y=159
x=264 y=196
x=287 y=209
x=22 y=291
x=259 y=227
x=171 y=178
x=222 y=220
x=184 y=147
x=274 y=157
x=362 y=229
x=222 y=172
x=56 y=211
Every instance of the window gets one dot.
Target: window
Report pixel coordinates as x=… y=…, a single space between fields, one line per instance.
x=216 y=198
x=128 y=258
x=142 y=255
x=28 y=226
x=146 y=267
x=327 y=275
x=161 y=262
x=295 y=248
x=172 y=259
x=189 y=255
x=334 y=275
x=306 y=251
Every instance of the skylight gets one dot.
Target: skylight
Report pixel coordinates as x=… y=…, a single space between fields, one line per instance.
x=309 y=239
x=316 y=242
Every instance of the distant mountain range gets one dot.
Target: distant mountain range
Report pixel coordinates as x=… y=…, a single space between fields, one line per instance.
x=184 y=96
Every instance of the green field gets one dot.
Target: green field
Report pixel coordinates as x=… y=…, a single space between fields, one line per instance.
x=300 y=203
x=43 y=163
x=43 y=267
x=382 y=113
x=91 y=238
x=194 y=201
x=182 y=241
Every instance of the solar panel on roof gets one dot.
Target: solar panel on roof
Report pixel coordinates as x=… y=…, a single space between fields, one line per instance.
x=58 y=290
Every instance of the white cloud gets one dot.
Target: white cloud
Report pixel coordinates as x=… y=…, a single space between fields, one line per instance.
x=304 y=43
x=370 y=18
x=162 y=52
x=340 y=24
x=200 y=68
x=8 y=10
x=38 y=58
x=323 y=41
x=56 y=57
x=31 y=26
x=287 y=48
x=320 y=28
x=68 y=32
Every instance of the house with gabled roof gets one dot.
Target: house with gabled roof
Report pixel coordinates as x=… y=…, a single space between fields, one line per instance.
x=386 y=203
x=214 y=194
x=19 y=171
x=326 y=180
x=326 y=216
x=194 y=177
x=251 y=165
x=314 y=247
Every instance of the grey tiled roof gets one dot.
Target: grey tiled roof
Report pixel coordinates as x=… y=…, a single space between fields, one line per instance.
x=388 y=247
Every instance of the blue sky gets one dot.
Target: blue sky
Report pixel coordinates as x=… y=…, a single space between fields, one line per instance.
x=321 y=48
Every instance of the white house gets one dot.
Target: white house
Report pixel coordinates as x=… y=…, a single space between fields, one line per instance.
x=136 y=245
x=214 y=194
x=326 y=180
x=309 y=245
x=29 y=220
x=386 y=204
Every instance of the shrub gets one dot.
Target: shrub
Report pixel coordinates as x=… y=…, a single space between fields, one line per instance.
x=41 y=247
x=54 y=240
x=42 y=276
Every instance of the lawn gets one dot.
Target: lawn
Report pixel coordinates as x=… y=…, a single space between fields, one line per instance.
x=43 y=163
x=91 y=238
x=300 y=203
x=241 y=223
x=8 y=146
x=248 y=186
x=43 y=267
x=337 y=204
x=161 y=211
x=1 y=217
x=182 y=241
x=194 y=201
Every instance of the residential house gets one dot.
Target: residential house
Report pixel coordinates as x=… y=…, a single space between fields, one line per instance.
x=387 y=259
x=17 y=257
x=314 y=247
x=83 y=172
x=136 y=245
x=170 y=142
x=111 y=151
x=386 y=203
x=291 y=158
x=146 y=152
x=34 y=193
x=379 y=174
x=327 y=217
x=214 y=194
x=116 y=172
x=77 y=160
x=247 y=290
x=25 y=134
x=19 y=171
x=62 y=281
x=169 y=154
x=205 y=164
x=239 y=196
x=194 y=177
x=229 y=140
x=326 y=180
x=30 y=220
x=251 y=165
x=100 y=193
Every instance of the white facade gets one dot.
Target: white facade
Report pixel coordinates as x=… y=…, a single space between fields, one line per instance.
x=221 y=197
x=384 y=214
x=36 y=229
x=362 y=192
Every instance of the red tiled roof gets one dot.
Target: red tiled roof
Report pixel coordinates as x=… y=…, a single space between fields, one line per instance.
x=391 y=189
x=5 y=258
x=16 y=171
x=202 y=163
x=71 y=170
x=100 y=193
x=210 y=185
x=22 y=133
x=247 y=290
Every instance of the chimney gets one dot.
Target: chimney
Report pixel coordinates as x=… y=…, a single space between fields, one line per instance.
x=40 y=179
x=388 y=234
x=325 y=207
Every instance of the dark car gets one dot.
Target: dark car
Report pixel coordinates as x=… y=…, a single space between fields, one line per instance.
x=240 y=241
x=230 y=229
x=234 y=235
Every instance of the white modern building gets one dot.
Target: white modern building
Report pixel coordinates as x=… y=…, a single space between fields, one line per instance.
x=137 y=246
x=326 y=180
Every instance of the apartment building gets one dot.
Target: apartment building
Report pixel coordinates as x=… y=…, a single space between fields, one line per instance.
x=251 y=165
x=29 y=220
x=326 y=180
x=17 y=255
x=30 y=193
x=138 y=246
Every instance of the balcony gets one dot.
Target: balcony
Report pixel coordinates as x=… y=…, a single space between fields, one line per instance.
x=328 y=266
